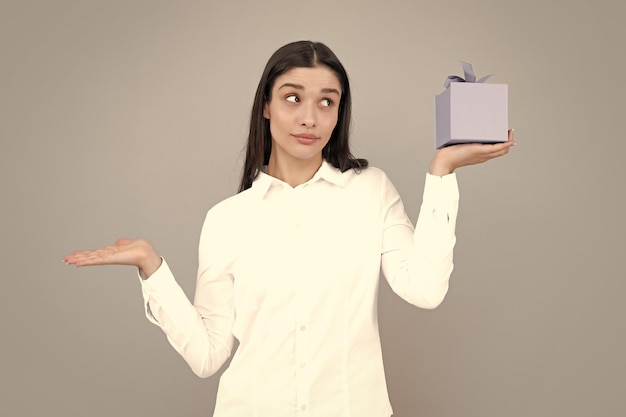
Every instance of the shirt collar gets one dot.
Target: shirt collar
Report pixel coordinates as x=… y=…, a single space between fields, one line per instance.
x=326 y=172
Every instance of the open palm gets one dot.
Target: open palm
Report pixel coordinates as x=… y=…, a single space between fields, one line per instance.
x=137 y=253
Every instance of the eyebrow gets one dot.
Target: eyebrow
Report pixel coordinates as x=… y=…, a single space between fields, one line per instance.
x=300 y=87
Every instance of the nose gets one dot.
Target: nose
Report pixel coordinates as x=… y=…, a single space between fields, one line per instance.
x=308 y=116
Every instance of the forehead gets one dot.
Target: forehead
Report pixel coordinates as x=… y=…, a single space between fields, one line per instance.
x=315 y=79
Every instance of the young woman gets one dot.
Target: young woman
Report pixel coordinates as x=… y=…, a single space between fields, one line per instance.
x=290 y=265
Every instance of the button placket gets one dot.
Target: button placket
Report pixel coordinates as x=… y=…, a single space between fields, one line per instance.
x=301 y=257
x=302 y=374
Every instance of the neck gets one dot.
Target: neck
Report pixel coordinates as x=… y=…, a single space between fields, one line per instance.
x=293 y=171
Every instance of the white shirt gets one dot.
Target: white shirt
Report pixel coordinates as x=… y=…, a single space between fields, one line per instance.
x=293 y=274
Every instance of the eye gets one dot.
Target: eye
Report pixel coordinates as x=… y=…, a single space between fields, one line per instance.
x=326 y=102
x=292 y=98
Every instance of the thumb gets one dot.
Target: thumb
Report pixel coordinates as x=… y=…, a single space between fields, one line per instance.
x=122 y=242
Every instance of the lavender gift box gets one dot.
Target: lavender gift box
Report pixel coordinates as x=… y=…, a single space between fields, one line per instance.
x=470 y=111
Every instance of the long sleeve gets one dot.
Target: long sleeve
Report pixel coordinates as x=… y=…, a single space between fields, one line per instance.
x=418 y=262
x=200 y=332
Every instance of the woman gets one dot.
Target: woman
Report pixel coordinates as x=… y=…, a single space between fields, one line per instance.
x=290 y=265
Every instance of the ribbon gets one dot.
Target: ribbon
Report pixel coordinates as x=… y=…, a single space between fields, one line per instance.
x=470 y=77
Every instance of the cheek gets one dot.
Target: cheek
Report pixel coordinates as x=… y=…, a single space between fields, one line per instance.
x=277 y=122
x=331 y=123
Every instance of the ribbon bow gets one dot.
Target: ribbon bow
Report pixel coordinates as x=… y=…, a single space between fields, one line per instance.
x=470 y=77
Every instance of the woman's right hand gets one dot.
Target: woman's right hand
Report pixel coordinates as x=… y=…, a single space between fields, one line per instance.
x=139 y=253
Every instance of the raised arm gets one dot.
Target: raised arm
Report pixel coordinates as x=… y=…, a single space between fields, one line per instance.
x=418 y=263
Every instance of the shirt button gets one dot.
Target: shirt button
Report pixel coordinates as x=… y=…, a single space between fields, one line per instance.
x=303 y=327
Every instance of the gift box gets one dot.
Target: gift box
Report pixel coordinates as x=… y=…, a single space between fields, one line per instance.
x=471 y=111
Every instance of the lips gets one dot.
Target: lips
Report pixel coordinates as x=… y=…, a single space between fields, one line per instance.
x=305 y=138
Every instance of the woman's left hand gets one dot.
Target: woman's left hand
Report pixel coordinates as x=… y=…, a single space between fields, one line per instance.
x=452 y=157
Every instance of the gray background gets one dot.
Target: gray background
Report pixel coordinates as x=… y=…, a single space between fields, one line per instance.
x=127 y=118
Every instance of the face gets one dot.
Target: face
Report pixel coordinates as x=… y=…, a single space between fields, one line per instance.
x=303 y=113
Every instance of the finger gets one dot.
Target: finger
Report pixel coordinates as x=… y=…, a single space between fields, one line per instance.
x=93 y=261
x=511 y=137
x=499 y=147
x=499 y=153
x=100 y=257
x=490 y=154
x=74 y=257
x=505 y=146
x=79 y=258
x=491 y=148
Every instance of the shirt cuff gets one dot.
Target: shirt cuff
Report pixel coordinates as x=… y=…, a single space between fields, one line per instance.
x=157 y=275
x=438 y=190
x=158 y=283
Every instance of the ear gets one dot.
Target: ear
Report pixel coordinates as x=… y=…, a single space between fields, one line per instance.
x=266 y=113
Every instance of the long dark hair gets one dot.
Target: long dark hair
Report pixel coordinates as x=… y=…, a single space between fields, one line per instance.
x=293 y=55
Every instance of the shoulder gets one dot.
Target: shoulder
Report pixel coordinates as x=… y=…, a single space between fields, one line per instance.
x=225 y=222
x=370 y=186
x=370 y=177
x=372 y=172
x=230 y=207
